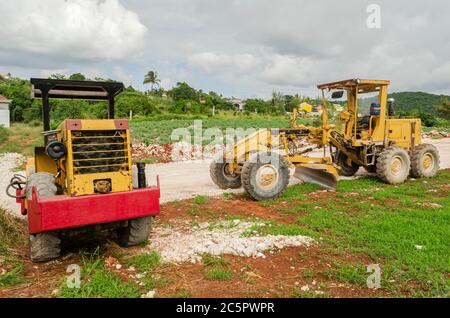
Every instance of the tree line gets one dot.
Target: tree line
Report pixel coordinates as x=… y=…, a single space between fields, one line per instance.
x=184 y=99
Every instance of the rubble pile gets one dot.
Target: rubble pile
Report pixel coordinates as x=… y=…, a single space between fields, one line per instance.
x=174 y=152
x=436 y=134
x=187 y=244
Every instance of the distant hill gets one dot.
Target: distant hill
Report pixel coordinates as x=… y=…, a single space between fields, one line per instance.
x=417 y=101
x=411 y=102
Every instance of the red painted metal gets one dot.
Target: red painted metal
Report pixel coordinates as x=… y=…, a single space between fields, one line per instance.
x=121 y=123
x=62 y=211
x=73 y=124
x=20 y=193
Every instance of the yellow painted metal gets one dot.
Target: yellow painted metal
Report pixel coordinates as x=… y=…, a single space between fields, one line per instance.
x=69 y=177
x=400 y=131
x=44 y=163
x=83 y=184
x=94 y=124
x=330 y=168
x=261 y=140
x=30 y=166
x=355 y=139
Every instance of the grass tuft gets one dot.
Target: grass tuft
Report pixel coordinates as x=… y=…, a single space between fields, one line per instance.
x=210 y=260
x=219 y=274
x=145 y=262
x=200 y=199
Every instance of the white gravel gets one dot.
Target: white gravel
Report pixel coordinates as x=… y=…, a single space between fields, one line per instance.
x=8 y=163
x=184 y=243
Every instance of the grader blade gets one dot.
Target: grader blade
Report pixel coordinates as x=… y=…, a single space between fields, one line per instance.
x=317 y=176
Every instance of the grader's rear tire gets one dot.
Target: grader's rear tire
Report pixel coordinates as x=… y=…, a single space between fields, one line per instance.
x=393 y=165
x=137 y=231
x=265 y=175
x=346 y=170
x=424 y=161
x=43 y=246
x=221 y=176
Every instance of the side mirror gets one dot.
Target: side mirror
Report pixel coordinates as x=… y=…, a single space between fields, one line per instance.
x=337 y=94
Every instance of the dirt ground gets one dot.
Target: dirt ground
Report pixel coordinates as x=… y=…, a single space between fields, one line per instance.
x=281 y=273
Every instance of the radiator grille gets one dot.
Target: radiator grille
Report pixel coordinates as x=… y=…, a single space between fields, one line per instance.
x=99 y=151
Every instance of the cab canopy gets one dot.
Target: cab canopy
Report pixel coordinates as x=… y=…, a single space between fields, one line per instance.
x=363 y=85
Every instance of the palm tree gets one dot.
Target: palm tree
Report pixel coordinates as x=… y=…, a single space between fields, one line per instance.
x=152 y=79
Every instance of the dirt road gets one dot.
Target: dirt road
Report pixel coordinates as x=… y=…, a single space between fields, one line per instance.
x=178 y=180
x=182 y=180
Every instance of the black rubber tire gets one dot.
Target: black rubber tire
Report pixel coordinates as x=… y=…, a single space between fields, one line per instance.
x=417 y=168
x=345 y=169
x=386 y=160
x=371 y=169
x=44 y=183
x=44 y=247
x=217 y=171
x=137 y=231
x=47 y=245
x=250 y=170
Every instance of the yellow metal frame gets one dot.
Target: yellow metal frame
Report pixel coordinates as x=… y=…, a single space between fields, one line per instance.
x=382 y=131
x=76 y=184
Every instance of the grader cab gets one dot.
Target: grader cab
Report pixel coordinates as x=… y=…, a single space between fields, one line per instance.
x=379 y=141
x=83 y=181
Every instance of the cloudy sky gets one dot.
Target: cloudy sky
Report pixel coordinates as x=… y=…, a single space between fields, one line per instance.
x=242 y=48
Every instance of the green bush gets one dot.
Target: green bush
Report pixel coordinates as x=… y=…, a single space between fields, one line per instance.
x=3 y=134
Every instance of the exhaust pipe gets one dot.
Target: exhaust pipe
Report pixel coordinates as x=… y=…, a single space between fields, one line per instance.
x=317 y=176
x=142 y=182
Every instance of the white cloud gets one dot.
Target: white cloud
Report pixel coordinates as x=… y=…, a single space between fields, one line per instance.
x=240 y=48
x=121 y=75
x=212 y=62
x=73 y=29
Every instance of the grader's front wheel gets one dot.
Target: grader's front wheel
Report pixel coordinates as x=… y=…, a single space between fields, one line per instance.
x=393 y=165
x=424 y=161
x=265 y=176
x=223 y=177
x=347 y=167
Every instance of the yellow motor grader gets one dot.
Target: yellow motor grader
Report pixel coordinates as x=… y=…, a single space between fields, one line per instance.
x=379 y=141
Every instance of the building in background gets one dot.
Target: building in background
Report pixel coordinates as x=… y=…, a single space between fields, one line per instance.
x=4 y=111
x=239 y=105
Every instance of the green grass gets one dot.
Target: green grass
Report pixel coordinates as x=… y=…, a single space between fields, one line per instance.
x=227 y=195
x=274 y=228
x=153 y=281
x=181 y=294
x=149 y=160
x=145 y=262
x=102 y=284
x=14 y=276
x=200 y=199
x=160 y=131
x=386 y=228
x=98 y=282
x=308 y=294
x=210 y=260
x=4 y=133
x=353 y=274
x=219 y=274
x=21 y=138
x=12 y=234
